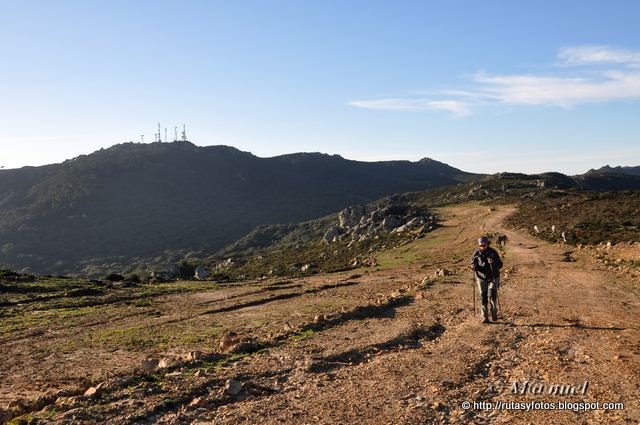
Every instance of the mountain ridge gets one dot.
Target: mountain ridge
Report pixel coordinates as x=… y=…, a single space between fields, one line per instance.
x=140 y=200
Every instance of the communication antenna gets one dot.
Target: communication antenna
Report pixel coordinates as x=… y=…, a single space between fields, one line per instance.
x=159 y=134
x=142 y=138
x=175 y=133
x=184 y=133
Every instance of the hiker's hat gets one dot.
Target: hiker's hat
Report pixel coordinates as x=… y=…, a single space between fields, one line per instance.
x=483 y=240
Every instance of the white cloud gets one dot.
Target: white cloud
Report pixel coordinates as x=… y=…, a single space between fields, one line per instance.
x=559 y=91
x=569 y=87
x=585 y=55
x=455 y=107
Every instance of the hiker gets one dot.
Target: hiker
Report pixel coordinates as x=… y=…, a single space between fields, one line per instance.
x=502 y=240
x=486 y=265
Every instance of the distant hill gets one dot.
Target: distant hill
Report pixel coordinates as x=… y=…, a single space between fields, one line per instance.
x=282 y=249
x=619 y=170
x=135 y=201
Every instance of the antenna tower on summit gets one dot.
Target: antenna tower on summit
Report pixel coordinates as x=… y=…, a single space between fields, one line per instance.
x=175 y=134
x=159 y=133
x=184 y=133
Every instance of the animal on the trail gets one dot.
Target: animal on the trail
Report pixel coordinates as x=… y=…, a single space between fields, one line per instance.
x=502 y=240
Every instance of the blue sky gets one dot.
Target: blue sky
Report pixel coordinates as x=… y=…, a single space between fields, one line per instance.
x=484 y=86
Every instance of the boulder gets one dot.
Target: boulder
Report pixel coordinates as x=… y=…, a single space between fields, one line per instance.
x=149 y=365
x=331 y=235
x=245 y=347
x=232 y=387
x=390 y=222
x=415 y=222
x=225 y=264
x=197 y=402
x=228 y=341
x=400 y=229
x=428 y=280
x=201 y=273
x=94 y=391
x=307 y=267
x=349 y=217
x=194 y=356
x=165 y=363
x=442 y=272
x=359 y=231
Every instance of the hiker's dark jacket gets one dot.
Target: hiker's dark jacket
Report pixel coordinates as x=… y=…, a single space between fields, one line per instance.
x=483 y=269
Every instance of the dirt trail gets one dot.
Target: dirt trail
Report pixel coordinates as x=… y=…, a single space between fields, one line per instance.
x=392 y=351
x=562 y=323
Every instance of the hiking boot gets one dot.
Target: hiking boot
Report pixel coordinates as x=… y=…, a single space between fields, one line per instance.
x=486 y=320
x=494 y=317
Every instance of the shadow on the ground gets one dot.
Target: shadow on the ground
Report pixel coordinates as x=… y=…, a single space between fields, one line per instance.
x=278 y=298
x=556 y=325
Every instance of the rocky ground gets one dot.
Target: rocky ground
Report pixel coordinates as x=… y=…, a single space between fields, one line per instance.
x=380 y=344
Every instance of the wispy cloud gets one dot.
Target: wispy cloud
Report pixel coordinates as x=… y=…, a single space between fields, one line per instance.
x=586 y=55
x=455 y=107
x=568 y=87
x=559 y=91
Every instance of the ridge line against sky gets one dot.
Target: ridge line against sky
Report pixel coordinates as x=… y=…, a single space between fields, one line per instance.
x=528 y=86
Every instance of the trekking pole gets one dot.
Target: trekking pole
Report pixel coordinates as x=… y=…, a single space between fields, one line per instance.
x=474 y=293
x=493 y=279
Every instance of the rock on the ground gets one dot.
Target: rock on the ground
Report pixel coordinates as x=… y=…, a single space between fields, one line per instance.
x=149 y=365
x=94 y=391
x=232 y=387
x=194 y=355
x=442 y=272
x=165 y=362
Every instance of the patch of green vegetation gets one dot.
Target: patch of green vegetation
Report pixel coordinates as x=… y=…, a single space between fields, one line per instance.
x=28 y=319
x=217 y=364
x=132 y=338
x=415 y=252
x=141 y=337
x=143 y=303
x=300 y=336
x=23 y=420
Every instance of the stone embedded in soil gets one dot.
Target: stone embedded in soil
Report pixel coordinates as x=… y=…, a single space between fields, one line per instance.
x=94 y=391
x=197 y=401
x=149 y=365
x=287 y=327
x=165 y=363
x=232 y=387
x=194 y=356
x=228 y=341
